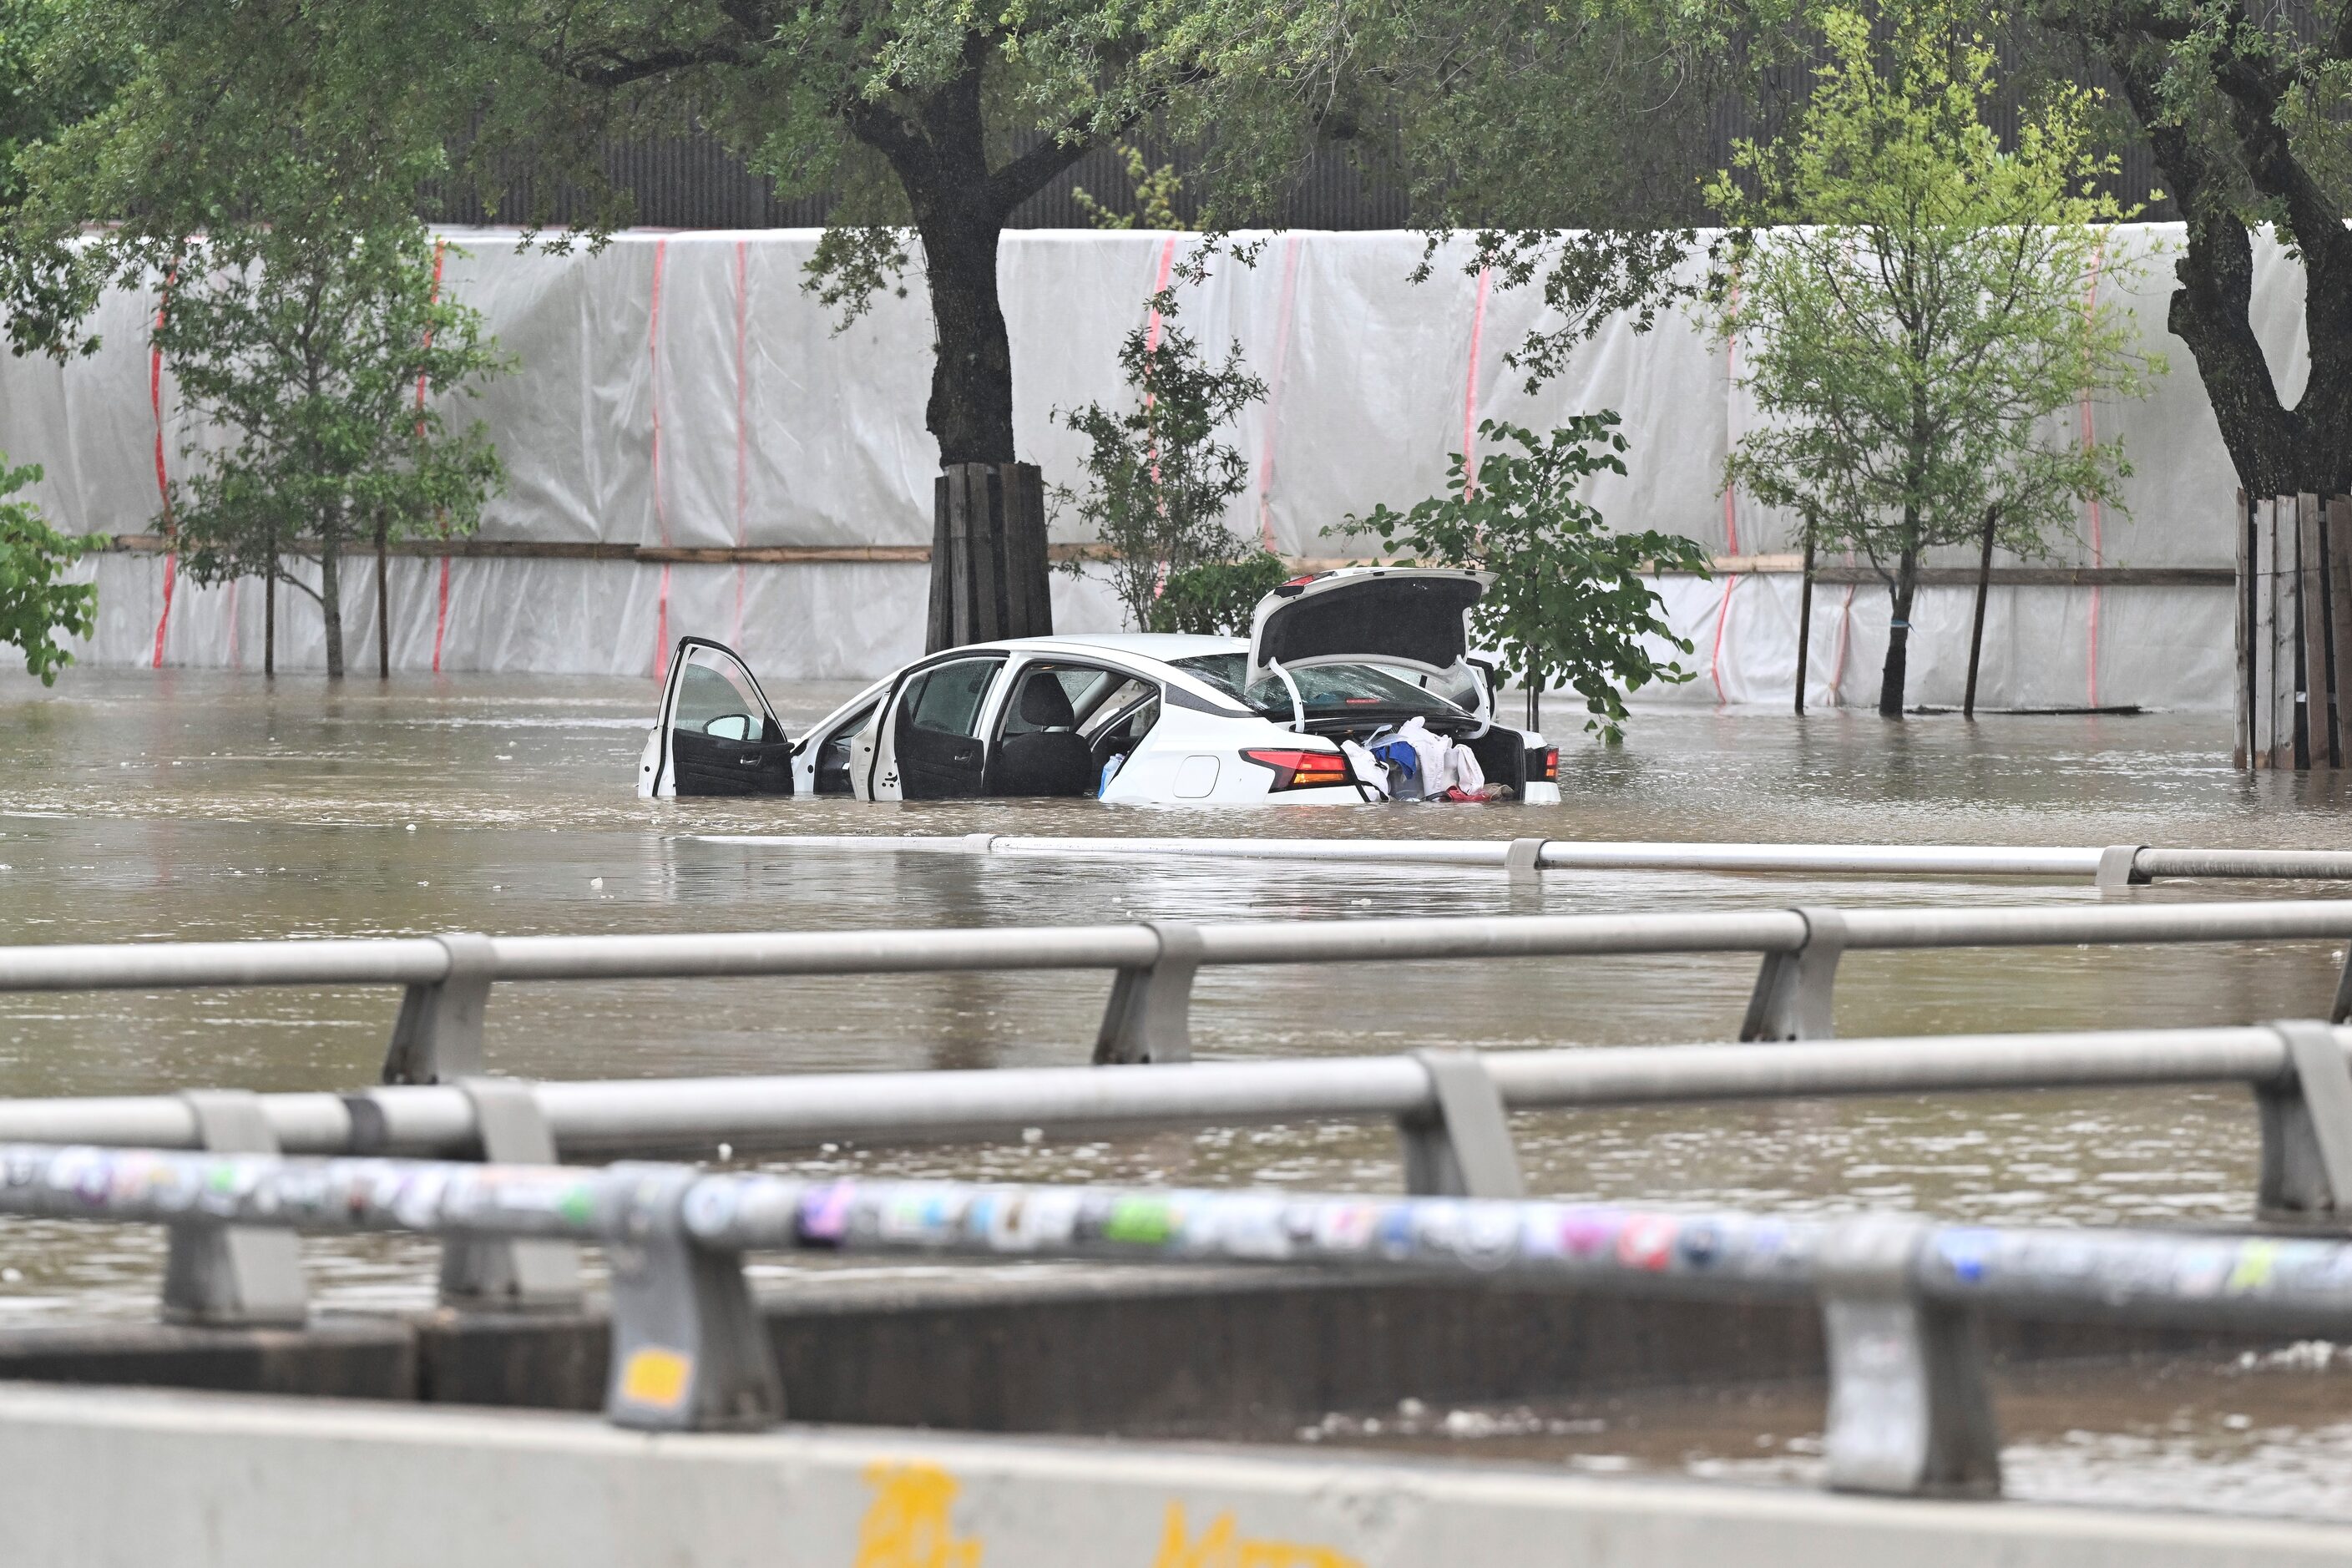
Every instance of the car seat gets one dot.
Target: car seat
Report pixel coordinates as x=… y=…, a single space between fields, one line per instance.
x=1047 y=757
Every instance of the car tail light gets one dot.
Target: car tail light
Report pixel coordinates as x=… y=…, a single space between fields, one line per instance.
x=1300 y=769
x=1544 y=766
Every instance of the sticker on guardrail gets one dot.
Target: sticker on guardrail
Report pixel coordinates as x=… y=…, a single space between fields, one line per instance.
x=656 y=1378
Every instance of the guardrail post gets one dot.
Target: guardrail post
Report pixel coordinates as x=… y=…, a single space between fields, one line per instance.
x=1150 y=1016
x=515 y=1272
x=1462 y=1148
x=2341 y=1008
x=689 y=1351
x=1524 y=858
x=438 y=1035
x=2307 y=1169
x=1795 y=991
x=2119 y=868
x=1909 y=1413
x=226 y=1274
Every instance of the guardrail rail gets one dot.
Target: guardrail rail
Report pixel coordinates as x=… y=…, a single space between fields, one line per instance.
x=1901 y=1300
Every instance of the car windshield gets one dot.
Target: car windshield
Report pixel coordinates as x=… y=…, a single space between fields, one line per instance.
x=1324 y=689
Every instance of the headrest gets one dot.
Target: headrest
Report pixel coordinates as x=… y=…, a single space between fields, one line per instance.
x=1044 y=705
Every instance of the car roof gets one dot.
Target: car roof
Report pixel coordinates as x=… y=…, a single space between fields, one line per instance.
x=1161 y=645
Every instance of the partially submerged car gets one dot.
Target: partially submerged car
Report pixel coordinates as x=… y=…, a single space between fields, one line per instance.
x=1336 y=663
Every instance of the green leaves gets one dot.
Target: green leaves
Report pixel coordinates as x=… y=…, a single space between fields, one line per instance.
x=1931 y=302
x=35 y=606
x=313 y=356
x=1568 y=605
x=1158 y=479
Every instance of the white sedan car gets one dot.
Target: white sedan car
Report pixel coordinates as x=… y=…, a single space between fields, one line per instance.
x=1353 y=656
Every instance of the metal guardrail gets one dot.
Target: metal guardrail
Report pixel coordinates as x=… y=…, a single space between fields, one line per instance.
x=1901 y=1300
x=1451 y=1110
x=437 y=1036
x=2111 y=866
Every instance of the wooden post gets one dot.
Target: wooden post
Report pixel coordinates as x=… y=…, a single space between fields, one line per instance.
x=2338 y=542
x=2278 y=619
x=2243 y=756
x=383 y=602
x=2313 y=630
x=988 y=555
x=1976 y=637
x=1805 y=619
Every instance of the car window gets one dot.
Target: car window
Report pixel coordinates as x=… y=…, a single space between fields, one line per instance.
x=946 y=699
x=1221 y=670
x=1338 y=688
x=1057 y=697
x=1116 y=705
x=711 y=700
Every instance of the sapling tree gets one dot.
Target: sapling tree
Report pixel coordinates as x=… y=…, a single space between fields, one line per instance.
x=306 y=354
x=1568 y=606
x=1158 y=479
x=35 y=605
x=1926 y=308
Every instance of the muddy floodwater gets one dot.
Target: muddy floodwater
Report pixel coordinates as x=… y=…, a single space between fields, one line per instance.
x=175 y=805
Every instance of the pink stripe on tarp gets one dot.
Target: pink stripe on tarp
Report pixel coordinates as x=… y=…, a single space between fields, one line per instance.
x=1722 y=619
x=1159 y=286
x=440 y=252
x=743 y=426
x=1470 y=391
x=661 y=515
x=1152 y=345
x=441 y=616
x=441 y=607
x=1730 y=389
x=1273 y=393
x=661 y=624
x=163 y=481
x=2090 y=304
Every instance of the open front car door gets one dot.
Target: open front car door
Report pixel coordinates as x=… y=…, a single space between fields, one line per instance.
x=715 y=734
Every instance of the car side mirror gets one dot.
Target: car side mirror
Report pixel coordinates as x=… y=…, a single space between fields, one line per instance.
x=731 y=727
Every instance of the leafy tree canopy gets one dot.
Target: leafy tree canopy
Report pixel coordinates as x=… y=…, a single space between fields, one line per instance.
x=1924 y=307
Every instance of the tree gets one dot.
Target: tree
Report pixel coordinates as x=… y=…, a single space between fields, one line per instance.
x=2246 y=115
x=1926 y=308
x=47 y=82
x=1157 y=480
x=311 y=353
x=926 y=124
x=34 y=606
x=1568 y=606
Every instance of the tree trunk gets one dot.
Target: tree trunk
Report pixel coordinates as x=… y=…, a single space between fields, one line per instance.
x=383 y=602
x=1805 y=618
x=1976 y=635
x=269 y=614
x=970 y=408
x=938 y=151
x=1898 y=637
x=2276 y=451
x=330 y=599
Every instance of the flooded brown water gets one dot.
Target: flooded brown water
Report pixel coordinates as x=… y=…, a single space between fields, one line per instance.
x=183 y=806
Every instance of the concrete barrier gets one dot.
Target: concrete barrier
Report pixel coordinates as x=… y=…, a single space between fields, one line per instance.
x=120 y=1479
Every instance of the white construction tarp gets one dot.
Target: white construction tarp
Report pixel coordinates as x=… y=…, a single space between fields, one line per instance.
x=683 y=390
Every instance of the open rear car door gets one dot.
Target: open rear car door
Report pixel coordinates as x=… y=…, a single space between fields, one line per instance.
x=715 y=734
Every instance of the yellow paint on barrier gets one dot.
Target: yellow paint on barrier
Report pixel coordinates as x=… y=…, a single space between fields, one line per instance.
x=1219 y=1546
x=907 y=1524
